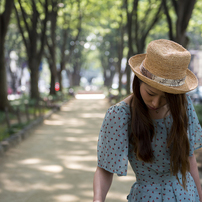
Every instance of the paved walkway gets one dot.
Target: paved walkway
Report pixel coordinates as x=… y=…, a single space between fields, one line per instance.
x=56 y=163
x=58 y=160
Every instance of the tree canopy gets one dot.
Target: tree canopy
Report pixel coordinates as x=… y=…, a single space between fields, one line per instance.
x=74 y=35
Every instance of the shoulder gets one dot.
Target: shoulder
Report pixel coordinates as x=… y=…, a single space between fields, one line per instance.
x=128 y=99
x=119 y=112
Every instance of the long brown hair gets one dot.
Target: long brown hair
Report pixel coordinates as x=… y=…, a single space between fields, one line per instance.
x=143 y=131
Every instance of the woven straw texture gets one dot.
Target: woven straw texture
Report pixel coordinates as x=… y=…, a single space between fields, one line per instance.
x=168 y=60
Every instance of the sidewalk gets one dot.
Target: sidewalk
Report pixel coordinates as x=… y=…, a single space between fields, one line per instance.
x=56 y=163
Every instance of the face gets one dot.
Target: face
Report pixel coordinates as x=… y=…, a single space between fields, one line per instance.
x=153 y=98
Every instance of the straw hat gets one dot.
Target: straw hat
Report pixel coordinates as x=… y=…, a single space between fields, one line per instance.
x=165 y=67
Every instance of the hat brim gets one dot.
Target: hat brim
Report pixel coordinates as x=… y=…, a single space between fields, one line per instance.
x=191 y=82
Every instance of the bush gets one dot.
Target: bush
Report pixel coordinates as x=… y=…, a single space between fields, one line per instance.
x=198 y=109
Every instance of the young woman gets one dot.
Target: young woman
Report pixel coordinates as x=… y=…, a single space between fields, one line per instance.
x=155 y=128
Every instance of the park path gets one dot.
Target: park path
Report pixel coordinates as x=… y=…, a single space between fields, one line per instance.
x=56 y=163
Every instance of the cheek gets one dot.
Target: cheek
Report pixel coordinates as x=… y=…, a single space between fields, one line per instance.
x=164 y=102
x=145 y=96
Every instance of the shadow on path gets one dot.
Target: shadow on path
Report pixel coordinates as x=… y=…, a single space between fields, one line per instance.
x=57 y=162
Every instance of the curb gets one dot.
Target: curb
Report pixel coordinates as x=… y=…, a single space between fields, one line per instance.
x=18 y=137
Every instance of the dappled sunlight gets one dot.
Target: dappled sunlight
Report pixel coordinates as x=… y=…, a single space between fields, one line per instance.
x=53 y=122
x=74 y=131
x=66 y=198
x=76 y=122
x=77 y=139
x=18 y=186
x=92 y=115
x=30 y=161
x=80 y=167
x=51 y=168
x=127 y=178
x=79 y=152
x=57 y=163
x=115 y=196
x=90 y=96
x=14 y=185
x=81 y=158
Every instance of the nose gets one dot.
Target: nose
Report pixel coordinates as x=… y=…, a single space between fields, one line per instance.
x=156 y=102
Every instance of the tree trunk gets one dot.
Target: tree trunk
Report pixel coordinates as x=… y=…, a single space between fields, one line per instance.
x=34 y=67
x=184 y=12
x=3 y=79
x=60 y=79
x=35 y=41
x=4 y=22
x=130 y=51
x=76 y=79
x=52 y=66
x=52 y=86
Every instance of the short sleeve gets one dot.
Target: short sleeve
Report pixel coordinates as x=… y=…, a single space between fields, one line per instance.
x=194 y=128
x=112 y=148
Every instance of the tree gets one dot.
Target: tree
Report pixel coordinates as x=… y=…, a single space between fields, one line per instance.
x=14 y=55
x=139 y=24
x=51 y=44
x=69 y=29
x=195 y=29
x=4 y=22
x=183 y=10
x=32 y=21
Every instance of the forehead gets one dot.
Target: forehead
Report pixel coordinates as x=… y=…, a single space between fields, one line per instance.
x=153 y=90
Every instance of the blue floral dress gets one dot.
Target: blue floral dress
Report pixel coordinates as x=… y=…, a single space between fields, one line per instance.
x=154 y=181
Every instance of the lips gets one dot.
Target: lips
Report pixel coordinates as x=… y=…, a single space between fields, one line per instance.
x=152 y=108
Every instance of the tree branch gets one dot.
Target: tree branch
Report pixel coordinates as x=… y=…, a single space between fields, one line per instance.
x=156 y=18
x=43 y=33
x=5 y=17
x=21 y=30
x=24 y=16
x=78 y=33
x=175 y=5
x=171 y=36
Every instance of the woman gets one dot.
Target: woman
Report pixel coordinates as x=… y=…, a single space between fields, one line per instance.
x=155 y=128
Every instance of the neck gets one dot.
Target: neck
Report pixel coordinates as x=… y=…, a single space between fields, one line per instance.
x=159 y=113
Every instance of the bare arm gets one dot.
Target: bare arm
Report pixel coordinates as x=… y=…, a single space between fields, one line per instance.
x=101 y=184
x=195 y=174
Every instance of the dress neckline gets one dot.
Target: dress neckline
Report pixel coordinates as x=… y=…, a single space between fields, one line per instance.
x=127 y=105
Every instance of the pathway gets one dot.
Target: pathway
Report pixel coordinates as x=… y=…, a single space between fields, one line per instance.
x=56 y=163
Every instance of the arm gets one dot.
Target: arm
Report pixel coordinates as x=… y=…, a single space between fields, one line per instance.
x=101 y=184
x=195 y=174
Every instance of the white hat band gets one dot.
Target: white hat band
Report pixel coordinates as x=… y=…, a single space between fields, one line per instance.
x=163 y=81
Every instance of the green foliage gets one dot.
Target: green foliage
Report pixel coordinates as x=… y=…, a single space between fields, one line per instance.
x=33 y=110
x=198 y=109
x=2 y=3
x=100 y=30
x=195 y=27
